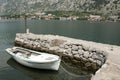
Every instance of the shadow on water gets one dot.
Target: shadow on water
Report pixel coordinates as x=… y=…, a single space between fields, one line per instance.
x=63 y=73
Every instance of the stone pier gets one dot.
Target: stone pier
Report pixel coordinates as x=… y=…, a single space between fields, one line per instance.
x=83 y=54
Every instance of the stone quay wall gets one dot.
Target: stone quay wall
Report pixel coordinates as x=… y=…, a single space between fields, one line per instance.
x=88 y=55
x=83 y=54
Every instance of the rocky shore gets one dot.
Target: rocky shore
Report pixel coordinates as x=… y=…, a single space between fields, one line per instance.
x=83 y=54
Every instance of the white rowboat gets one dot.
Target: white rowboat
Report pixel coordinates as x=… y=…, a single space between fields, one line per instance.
x=35 y=59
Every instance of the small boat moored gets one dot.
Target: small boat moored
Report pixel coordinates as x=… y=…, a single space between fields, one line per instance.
x=34 y=59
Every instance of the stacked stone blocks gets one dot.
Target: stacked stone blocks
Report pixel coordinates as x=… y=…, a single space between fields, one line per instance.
x=78 y=53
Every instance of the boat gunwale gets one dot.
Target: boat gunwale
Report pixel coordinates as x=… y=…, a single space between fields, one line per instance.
x=27 y=59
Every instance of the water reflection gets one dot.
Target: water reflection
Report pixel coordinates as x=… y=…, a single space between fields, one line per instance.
x=38 y=74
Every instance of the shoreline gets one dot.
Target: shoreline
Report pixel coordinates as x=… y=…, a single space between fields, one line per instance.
x=65 y=20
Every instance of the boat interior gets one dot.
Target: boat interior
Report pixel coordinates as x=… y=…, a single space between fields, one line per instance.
x=24 y=53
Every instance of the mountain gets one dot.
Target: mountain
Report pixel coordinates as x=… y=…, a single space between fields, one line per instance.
x=2 y=1
x=33 y=6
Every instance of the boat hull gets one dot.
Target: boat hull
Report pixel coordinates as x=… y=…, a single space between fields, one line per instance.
x=51 y=66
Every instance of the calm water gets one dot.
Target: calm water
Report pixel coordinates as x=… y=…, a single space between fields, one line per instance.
x=104 y=32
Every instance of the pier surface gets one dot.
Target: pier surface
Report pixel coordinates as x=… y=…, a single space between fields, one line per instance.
x=86 y=54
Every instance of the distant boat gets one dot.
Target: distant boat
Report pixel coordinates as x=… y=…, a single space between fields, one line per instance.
x=35 y=59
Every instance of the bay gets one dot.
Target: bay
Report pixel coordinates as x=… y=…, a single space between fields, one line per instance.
x=103 y=32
